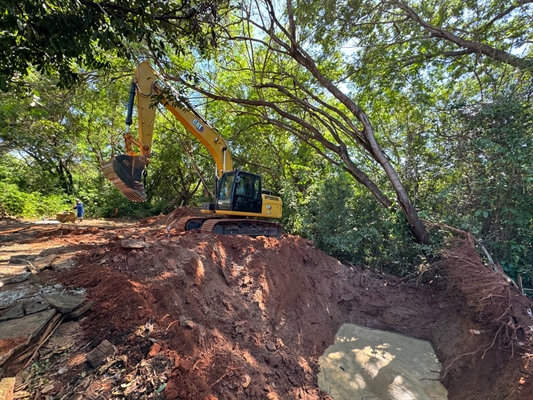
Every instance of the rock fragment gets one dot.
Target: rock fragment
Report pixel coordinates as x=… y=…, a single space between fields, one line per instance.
x=45 y=262
x=64 y=303
x=133 y=244
x=271 y=346
x=78 y=312
x=97 y=356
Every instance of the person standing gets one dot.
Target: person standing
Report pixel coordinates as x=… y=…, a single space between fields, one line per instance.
x=79 y=210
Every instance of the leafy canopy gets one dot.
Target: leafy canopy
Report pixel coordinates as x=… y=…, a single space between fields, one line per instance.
x=65 y=35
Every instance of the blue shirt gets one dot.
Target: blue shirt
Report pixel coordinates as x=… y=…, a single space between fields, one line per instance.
x=79 y=209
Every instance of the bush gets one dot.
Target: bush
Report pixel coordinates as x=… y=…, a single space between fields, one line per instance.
x=16 y=203
x=352 y=227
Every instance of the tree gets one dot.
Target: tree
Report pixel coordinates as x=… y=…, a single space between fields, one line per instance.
x=36 y=126
x=67 y=36
x=287 y=89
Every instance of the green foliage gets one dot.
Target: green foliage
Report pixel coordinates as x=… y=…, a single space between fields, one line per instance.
x=351 y=226
x=468 y=165
x=496 y=184
x=63 y=36
x=16 y=203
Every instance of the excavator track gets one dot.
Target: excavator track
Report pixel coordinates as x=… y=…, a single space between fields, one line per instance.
x=191 y=223
x=241 y=226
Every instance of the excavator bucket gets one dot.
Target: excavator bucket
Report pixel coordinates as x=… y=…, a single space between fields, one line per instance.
x=126 y=173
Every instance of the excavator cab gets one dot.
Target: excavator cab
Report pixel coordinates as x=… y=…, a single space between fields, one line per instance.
x=239 y=191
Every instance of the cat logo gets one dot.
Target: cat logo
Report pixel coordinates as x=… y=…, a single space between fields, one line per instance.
x=198 y=125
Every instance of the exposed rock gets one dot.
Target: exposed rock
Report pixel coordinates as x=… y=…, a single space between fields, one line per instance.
x=10 y=294
x=100 y=353
x=32 y=307
x=14 y=273
x=64 y=303
x=17 y=333
x=78 y=312
x=17 y=311
x=63 y=263
x=271 y=346
x=133 y=244
x=273 y=360
x=45 y=262
x=186 y=322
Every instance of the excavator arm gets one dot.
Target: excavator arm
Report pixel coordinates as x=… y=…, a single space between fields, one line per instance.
x=126 y=171
x=240 y=199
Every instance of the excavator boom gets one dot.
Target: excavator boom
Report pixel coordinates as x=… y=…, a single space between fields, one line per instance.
x=126 y=171
x=239 y=195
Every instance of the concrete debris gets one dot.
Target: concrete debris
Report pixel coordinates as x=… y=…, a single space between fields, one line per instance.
x=100 y=353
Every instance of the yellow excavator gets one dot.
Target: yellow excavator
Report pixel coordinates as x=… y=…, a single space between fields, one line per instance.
x=239 y=197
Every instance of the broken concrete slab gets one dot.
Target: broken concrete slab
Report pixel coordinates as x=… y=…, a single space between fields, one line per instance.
x=64 y=303
x=17 y=311
x=17 y=333
x=97 y=356
x=32 y=307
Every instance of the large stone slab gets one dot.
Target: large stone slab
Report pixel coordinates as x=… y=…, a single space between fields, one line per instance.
x=17 y=333
x=372 y=364
x=32 y=307
x=64 y=303
x=63 y=263
x=13 y=273
x=17 y=311
x=11 y=293
x=44 y=262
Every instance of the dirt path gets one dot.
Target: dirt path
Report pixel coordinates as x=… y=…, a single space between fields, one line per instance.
x=194 y=316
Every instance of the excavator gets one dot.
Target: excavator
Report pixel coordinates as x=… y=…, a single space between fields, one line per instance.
x=240 y=200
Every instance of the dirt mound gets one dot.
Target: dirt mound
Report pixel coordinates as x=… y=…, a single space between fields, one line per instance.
x=172 y=218
x=195 y=316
